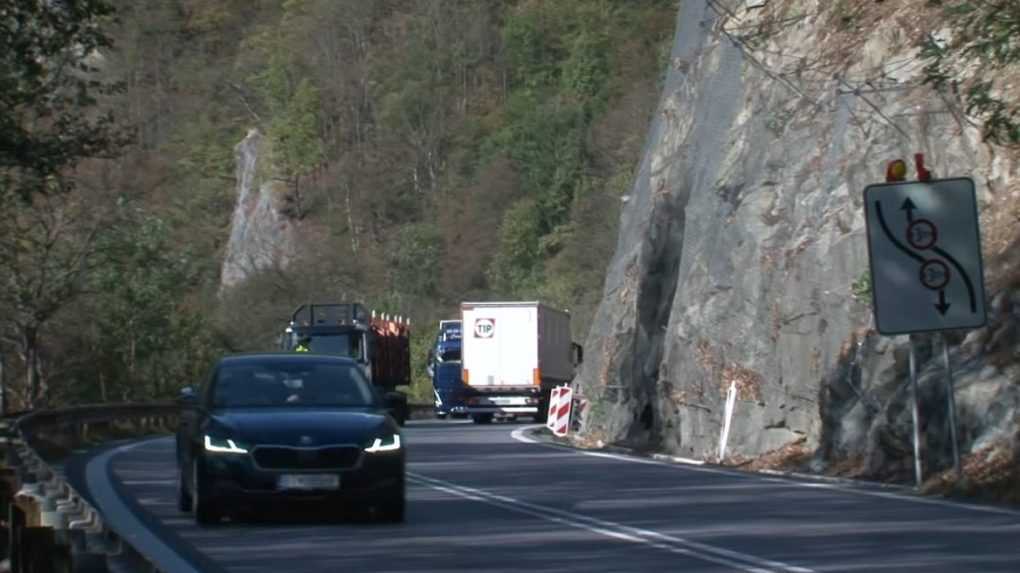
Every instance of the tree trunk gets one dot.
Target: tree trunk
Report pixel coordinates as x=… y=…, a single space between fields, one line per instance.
x=350 y=220
x=3 y=387
x=30 y=355
x=132 y=353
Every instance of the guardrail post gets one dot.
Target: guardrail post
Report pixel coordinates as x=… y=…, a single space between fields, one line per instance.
x=16 y=525
x=10 y=482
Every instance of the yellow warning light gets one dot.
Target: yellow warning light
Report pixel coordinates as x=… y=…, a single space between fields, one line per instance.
x=896 y=171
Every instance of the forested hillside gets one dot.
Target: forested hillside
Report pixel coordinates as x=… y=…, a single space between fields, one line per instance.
x=424 y=151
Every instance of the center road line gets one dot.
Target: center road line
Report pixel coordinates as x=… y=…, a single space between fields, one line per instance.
x=677 y=545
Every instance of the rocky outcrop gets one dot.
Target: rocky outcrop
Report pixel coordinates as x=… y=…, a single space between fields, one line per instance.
x=742 y=259
x=261 y=235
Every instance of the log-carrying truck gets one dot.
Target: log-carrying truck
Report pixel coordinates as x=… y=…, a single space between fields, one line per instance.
x=379 y=343
x=513 y=354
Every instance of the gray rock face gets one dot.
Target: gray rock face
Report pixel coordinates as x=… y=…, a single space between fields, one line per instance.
x=261 y=237
x=740 y=245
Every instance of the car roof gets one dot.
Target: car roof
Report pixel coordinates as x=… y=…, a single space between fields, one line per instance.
x=260 y=357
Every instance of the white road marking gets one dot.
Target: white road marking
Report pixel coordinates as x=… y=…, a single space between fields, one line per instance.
x=518 y=434
x=696 y=466
x=678 y=459
x=119 y=517
x=677 y=545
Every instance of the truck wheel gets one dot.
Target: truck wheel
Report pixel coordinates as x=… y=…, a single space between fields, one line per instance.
x=482 y=418
x=543 y=408
x=542 y=414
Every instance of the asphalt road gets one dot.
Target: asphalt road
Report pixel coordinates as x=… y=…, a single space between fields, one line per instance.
x=481 y=500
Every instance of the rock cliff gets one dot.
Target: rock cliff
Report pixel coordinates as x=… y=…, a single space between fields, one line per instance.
x=261 y=235
x=742 y=259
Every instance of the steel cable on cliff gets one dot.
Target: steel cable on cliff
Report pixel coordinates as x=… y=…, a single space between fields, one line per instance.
x=747 y=50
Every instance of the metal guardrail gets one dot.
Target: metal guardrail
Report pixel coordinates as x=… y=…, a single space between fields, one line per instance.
x=47 y=526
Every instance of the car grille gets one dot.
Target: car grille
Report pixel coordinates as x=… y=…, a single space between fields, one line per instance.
x=285 y=458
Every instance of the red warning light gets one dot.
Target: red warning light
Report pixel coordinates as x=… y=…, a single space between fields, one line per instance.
x=896 y=171
x=922 y=173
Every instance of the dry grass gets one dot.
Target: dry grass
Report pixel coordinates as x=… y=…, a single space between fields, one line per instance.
x=748 y=382
x=992 y=473
x=791 y=457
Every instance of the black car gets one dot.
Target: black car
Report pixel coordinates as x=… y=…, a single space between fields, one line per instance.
x=276 y=430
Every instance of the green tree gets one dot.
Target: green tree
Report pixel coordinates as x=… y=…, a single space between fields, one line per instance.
x=50 y=54
x=517 y=264
x=416 y=264
x=970 y=63
x=149 y=338
x=294 y=132
x=50 y=122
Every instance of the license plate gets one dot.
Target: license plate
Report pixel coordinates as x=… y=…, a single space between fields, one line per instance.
x=309 y=481
x=515 y=401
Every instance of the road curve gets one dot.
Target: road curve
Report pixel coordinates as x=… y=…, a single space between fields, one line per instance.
x=480 y=500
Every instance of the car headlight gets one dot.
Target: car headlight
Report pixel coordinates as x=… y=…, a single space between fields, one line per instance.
x=224 y=446
x=386 y=444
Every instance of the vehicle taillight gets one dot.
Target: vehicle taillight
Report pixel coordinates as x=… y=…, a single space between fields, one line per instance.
x=465 y=376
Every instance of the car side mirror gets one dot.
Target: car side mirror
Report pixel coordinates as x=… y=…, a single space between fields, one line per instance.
x=187 y=397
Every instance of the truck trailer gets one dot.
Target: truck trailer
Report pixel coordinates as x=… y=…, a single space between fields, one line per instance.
x=381 y=345
x=513 y=354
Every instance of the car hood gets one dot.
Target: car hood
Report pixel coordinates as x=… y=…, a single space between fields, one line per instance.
x=290 y=427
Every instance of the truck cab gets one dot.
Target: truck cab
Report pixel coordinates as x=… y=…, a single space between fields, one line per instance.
x=378 y=344
x=444 y=369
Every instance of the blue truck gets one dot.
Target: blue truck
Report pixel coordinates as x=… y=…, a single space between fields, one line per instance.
x=444 y=368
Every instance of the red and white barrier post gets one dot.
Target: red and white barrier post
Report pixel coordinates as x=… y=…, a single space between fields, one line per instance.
x=560 y=401
x=554 y=401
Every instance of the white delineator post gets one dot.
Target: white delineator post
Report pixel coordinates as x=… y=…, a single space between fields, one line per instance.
x=731 y=399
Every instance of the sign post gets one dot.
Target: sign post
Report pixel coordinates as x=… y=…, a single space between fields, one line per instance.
x=924 y=247
x=951 y=404
x=915 y=416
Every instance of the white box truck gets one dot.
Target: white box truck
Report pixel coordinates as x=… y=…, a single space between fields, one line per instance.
x=513 y=354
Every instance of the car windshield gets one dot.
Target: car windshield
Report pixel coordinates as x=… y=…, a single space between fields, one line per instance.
x=450 y=355
x=289 y=383
x=337 y=344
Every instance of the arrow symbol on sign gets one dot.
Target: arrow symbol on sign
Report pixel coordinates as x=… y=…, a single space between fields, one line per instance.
x=892 y=238
x=963 y=273
x=942 y=306
x=909 y=207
